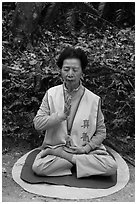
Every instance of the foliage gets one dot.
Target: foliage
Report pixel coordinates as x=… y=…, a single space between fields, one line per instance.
x=27 y=74
x=121 y=14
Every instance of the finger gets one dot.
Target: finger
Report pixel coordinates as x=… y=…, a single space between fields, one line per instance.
x=67 y=112
x=67 y=97
x=67 y=106
x=67 y=109
x=67 y=149
x=68 y=101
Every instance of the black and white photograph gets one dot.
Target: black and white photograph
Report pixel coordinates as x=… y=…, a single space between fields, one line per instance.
x=68 y=101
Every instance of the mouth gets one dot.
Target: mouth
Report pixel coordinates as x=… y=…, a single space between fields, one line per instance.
x=70 y=79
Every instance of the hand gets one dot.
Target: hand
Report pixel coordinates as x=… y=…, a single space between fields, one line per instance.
x=48 y=151
x=67 y=106
x=74 y=150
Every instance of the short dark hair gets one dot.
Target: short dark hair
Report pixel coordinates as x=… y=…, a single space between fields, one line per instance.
x=71 y=52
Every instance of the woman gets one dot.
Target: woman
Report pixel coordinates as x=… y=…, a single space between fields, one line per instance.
x=74 y=124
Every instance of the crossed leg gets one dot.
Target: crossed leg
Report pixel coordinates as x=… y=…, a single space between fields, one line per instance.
x=54 y=162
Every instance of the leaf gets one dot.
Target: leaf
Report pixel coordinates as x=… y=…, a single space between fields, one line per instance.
x=15 y=104
x=34 y=99
x=33 y=62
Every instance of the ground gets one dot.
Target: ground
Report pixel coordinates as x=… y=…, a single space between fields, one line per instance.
x=12 y=192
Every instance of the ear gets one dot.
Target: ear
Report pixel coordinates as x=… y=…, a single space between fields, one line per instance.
x=60 y=73
x=82 y=75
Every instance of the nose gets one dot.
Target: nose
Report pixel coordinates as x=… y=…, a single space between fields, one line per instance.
x=70 y=73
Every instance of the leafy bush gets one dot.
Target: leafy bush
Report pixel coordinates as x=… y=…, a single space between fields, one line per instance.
x=110 y=74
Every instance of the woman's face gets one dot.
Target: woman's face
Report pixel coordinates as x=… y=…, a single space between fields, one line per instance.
x=71 y=72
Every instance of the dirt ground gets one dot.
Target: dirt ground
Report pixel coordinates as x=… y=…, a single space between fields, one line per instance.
x=12 y=192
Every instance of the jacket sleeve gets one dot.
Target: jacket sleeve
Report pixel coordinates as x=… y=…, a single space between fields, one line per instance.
x=100 y=133
x=43 y=119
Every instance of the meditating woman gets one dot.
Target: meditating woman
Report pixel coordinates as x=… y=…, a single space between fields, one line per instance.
x=74 y=126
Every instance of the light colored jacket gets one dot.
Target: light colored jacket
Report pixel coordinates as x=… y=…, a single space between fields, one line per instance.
x=84 y=126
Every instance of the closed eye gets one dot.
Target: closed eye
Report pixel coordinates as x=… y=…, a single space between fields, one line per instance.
x=66 y=68
x=75 y=70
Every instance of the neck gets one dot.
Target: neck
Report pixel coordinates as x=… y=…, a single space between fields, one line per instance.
x=71 y=88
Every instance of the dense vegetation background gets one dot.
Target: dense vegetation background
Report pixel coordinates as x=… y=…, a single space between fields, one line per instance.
x=29 y=69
